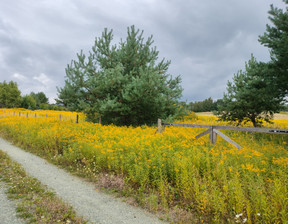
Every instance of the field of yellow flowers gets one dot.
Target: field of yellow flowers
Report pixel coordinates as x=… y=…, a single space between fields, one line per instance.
x=215 y=183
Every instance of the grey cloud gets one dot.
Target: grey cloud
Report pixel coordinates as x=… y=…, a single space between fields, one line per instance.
x=207 y=41
x=30 y=59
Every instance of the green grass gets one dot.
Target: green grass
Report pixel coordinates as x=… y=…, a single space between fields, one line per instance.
x=35 y=203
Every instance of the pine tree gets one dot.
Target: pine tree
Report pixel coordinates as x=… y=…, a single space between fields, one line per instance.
x=249 y=97
x=276 y=39
x=124 y=84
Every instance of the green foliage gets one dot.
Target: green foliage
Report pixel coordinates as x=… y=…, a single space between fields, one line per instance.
x=276 y=39
x=258 y=92
x=124 y=84
x=35 y=101
x=250 y=97
x=28 y=102
x=40 y=98
x=52 y=107
x=10 y=95
x=206 y=105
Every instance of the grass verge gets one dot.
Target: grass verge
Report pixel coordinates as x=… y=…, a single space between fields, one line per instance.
x=36 y=204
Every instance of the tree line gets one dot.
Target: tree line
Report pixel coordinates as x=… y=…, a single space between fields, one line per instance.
x=207 y=105
x=10 y=97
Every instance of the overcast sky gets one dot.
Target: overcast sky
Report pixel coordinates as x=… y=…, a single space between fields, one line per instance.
x=207 y=41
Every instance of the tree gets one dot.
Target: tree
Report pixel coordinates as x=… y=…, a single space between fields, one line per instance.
x=203 y=106
x=276 y=39
x=124 y=84
x=250 y=97
x=28 y=102
x=10 y=95
x=40 y=98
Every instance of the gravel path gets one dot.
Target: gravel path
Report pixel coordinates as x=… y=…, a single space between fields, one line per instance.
x=7 y=208
x=83 y=197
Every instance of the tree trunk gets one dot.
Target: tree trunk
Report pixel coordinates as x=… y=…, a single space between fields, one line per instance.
x=253 y=119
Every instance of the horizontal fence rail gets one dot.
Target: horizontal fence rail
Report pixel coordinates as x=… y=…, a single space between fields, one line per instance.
x=260 y=130
x=213 y=131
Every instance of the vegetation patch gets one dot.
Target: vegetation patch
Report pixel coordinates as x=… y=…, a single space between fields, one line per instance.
x=191 y=181
x=35 y=203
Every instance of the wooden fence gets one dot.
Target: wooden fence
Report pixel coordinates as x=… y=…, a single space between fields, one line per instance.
x=213 y=131
x=59 y=116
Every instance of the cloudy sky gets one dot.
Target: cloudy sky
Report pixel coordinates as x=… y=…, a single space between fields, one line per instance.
x=207 y=41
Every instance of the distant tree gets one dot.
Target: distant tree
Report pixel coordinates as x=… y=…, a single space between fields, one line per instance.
x=276 y=39
x=10 y=95
x=44 y=106
x=124 y=84
x=28 y=102
x=56 y=107
x=40 y=98
x=206 y=105
x=249 y=97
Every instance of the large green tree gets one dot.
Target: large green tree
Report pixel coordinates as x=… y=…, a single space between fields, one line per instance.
x=10 y=95
x=125 y=84
x=276 y=39
x=250 y=97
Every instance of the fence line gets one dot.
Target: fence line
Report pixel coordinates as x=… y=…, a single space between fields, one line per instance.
x=213 y=131
x=60 y=116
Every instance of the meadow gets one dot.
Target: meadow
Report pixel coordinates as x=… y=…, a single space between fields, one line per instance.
x=201 y=182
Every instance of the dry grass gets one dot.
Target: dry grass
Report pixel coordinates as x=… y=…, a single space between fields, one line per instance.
x=110 y=181
x=280 y=116
x=205 y=114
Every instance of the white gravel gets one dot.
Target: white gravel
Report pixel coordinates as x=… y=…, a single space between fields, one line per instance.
x=83 y=197
x=7 y=208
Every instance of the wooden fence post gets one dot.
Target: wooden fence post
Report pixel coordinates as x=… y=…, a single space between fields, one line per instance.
x=77 y=119
x=159 y=125
x=212 y=136
x=100 y=120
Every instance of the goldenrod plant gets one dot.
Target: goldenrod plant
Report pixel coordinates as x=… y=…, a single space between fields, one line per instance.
x=214 y=183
